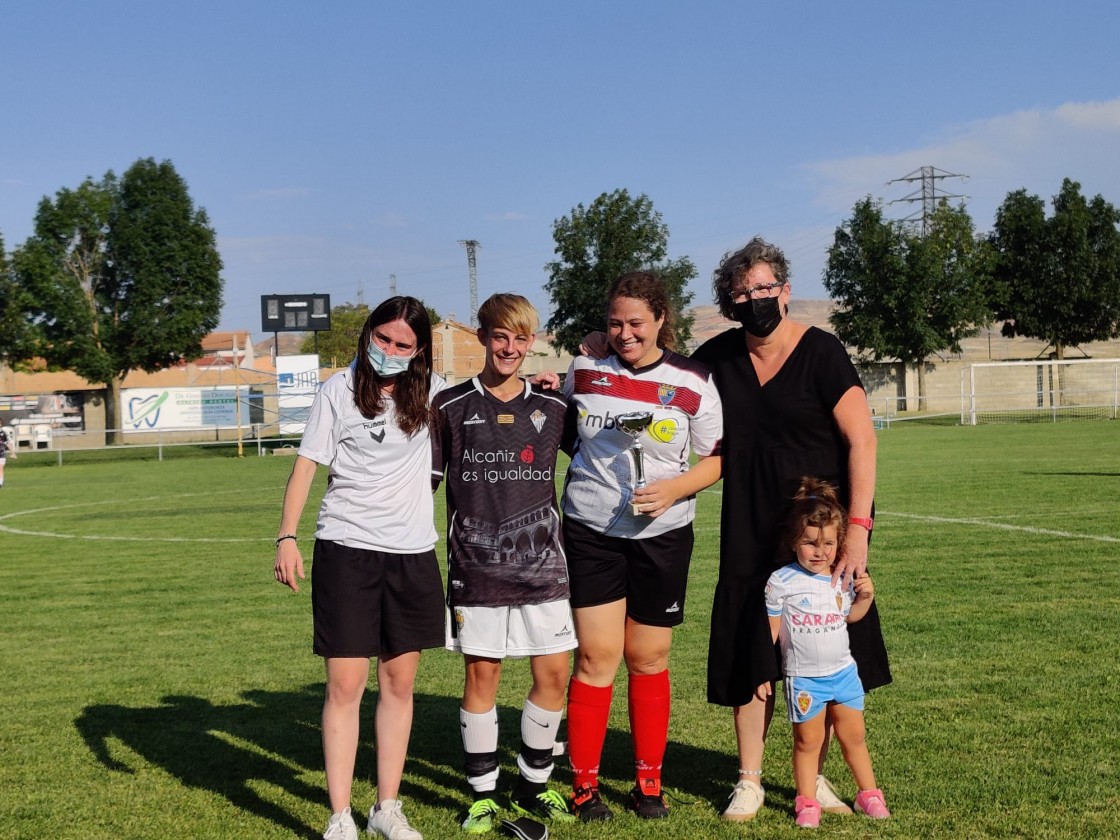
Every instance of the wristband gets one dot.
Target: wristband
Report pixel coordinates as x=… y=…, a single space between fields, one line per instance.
x=863 y=521
x=283 y=537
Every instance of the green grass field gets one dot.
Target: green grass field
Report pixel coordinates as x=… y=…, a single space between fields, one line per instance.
x=157 y=682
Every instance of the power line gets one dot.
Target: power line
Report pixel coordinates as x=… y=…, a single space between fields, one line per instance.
x=928 y=194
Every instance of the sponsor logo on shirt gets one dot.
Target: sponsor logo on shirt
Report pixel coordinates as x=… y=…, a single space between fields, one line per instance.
x=505 y=419
x=474 y=421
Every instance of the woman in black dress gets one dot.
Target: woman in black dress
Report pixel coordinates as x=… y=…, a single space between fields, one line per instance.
x=793 y=406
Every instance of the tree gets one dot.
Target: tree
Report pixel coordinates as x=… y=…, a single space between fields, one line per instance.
x=336 y=345
x=901 y=295
x=1057 y=279
x=16 y=335
x=119 y=276
x=594 y=246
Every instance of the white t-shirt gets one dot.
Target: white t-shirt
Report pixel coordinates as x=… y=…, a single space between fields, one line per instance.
x=814 y=630
x=687 y=415
x=379 y=494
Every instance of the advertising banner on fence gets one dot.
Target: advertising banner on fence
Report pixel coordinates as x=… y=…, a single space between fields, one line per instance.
x=297 y=382
x=165 y=409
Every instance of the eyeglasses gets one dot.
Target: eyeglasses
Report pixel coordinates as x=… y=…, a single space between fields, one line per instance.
x=762 y=290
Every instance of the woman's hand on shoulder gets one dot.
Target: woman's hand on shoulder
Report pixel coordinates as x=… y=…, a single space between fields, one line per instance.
x=547 y=379
x=595 y=345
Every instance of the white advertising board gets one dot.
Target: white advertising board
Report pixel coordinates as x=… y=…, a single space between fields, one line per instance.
x=164 y=409
x=297 y=382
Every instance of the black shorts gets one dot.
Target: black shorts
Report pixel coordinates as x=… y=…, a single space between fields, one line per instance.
x=368 y=603
x=651 y=573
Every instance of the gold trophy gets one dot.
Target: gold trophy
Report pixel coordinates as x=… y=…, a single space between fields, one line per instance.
x=634 y=424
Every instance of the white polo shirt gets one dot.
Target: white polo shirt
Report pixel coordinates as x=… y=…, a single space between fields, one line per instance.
x=379 y=494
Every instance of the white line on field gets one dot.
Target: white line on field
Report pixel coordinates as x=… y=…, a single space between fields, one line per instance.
x=1004 y=526
x=119 y=537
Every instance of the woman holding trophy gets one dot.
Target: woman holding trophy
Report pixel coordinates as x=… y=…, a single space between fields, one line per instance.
x=629 y=502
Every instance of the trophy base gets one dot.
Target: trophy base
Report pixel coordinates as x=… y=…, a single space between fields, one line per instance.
x=637 y=509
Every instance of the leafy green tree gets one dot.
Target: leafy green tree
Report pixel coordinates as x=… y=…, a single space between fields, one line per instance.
x=1057 y=279
x=120 y=275
x=596 y=244
x=16 y=335
x=336 y=345
x=903 y=296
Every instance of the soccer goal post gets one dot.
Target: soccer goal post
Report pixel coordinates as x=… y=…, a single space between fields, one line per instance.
x=1040 y=391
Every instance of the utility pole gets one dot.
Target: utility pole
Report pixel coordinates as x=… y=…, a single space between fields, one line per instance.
x=927 y=194
x=472 y=245
x=361 y=292
x=392 y=285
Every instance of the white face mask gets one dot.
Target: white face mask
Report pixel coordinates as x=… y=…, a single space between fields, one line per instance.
x=386 y=365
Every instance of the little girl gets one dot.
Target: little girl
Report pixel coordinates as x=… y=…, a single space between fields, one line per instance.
x=809 y=614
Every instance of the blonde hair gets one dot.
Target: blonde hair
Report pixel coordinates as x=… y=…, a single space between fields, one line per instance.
x=815 y=505
x=506 y=310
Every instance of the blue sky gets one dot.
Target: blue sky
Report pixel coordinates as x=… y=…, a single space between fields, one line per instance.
x=336 y=143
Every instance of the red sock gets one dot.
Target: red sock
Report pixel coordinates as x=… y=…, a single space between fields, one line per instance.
x=649 y=723
x=589 y=709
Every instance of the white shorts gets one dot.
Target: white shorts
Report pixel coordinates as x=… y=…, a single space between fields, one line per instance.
x=500 y=632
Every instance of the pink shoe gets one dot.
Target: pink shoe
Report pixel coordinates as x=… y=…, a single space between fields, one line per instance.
x=871 y=802
x=808 y=812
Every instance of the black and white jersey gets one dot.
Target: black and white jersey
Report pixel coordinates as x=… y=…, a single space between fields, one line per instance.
x=503 y=524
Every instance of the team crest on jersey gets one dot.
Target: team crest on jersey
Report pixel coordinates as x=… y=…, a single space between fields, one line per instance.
x=505 y=419
x=537 y=418
x=665 y=393
x=804 y=701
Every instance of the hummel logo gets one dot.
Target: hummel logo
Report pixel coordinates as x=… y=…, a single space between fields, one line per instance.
x=602 y=381
x=676 y=607
x=474 y=421
x=378 y=436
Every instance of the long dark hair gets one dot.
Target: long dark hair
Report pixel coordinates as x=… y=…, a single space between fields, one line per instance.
x=410 y=389
x=647 y=287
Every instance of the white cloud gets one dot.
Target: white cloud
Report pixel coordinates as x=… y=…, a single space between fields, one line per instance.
x=1032 y=149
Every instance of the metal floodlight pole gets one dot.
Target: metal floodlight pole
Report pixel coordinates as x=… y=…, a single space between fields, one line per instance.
x=472 y=245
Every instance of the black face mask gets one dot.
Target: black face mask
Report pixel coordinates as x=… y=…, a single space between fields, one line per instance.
x=761 y=317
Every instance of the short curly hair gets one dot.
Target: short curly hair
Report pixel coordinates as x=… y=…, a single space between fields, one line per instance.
x=733 y=264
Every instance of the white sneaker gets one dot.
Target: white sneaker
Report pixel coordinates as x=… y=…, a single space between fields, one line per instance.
x=341 y=827
x=388 y=820
x=746 y=799
x=831 y=803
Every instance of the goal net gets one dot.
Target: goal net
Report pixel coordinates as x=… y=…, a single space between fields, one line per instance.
x=1040 y=391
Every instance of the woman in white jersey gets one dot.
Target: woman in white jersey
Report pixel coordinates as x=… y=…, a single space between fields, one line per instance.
x=376 y=585
x=629 y=547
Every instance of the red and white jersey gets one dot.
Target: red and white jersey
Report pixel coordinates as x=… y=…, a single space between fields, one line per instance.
x=814 y=630
x=687 y=417
x=503 y=525
x=379 y=494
